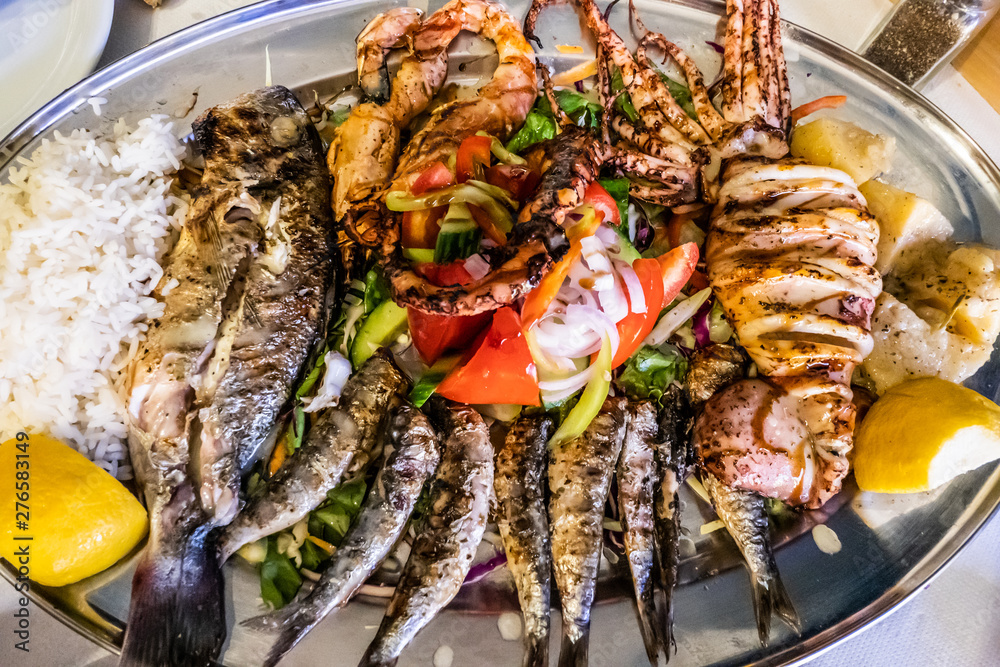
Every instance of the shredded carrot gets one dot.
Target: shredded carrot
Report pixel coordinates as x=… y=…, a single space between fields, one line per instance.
x=278 y=457
x=568 y=48
x=828 y=102
x=574 y=74
x=322 y=544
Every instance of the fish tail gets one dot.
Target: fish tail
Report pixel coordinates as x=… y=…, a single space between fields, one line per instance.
x=575 y=649
x=295 y=627
x=762 y=607
x=782 y=604
x=373 y=659
x=177 y=615
x=667 y=623
x=536 y=650
x=646 y=609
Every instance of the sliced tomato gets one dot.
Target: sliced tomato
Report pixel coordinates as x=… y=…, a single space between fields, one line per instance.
x=635 y=326
x=520 y=182
x=474 y=150
x=499 y=368
x=420 y=228
x=598 y=197
x=488 y=225
x=445 y=275
x=435 y=177
x=433 y=334
x=677 y=267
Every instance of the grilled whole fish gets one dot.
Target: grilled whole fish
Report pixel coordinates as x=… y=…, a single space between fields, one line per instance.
x=519 y=483
x=342 y=438
x=636 y=472
x=579 y=478
x=243 y=294
x=447 y=535
x=745 y=517
x=412 y=455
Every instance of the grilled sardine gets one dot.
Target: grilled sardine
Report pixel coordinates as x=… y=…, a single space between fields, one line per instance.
x=411 y=456
x=243 y=294
x=341 y=438
x=524 y=527
x=579 y=478
x=745 y=517
x=636 y=473
x=447 y=535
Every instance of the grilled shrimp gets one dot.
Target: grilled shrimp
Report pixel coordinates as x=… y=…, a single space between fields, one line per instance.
x=499 y=109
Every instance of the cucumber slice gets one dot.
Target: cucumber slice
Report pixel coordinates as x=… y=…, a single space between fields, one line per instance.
x=384 y=325
x=419 y=255
x=459 y=235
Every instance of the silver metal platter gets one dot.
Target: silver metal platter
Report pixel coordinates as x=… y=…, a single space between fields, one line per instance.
x=891 y=544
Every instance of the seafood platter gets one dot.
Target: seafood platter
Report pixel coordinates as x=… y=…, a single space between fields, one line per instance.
x=483 y=333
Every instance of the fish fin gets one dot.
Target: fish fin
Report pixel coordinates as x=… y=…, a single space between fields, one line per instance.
x=292 y=626
x=783 y=606
x=667 y=623
x=574 y=650
x=763 y=604
x=646 y=610
x=536 y=651
x=176 y=615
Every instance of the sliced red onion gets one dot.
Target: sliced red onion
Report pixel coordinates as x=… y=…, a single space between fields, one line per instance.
x=477 y=266
x=636 y=297
x=699 y=325
x=677 y=316
x=575 y=217
x=608 y=236
x=579 y=86
x=477 y=572
x=718 y=47
x=599 y=321
x=573 y=382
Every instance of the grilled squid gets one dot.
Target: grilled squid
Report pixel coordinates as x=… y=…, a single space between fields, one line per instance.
x=790 y=255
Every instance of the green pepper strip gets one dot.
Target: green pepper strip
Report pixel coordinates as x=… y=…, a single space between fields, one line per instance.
x=591 y=399
x=481 y=194
x=502 y=153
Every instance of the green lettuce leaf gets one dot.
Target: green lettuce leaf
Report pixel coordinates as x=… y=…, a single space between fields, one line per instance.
x=682 y=94
x=649 y=372
x=330 y=521
x=623 y=102
x=279 y=580
x=537 y=127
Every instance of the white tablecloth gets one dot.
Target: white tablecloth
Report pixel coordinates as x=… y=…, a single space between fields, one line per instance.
x=953 y=622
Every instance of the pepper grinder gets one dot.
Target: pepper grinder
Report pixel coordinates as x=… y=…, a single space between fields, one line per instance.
x=919 y=37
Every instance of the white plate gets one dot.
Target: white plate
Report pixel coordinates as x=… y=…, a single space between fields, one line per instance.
x=45 y=47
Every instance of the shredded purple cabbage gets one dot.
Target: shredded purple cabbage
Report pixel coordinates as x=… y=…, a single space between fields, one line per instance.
x=699 y=325
x=579 y=86
x=718 y=48
x=479 y=571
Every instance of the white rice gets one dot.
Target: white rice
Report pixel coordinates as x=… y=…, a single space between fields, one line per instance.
x=84 y=224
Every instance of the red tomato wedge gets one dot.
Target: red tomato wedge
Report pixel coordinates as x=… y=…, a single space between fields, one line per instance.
x=433 y=334
x=676 y=267
x=520 y=182
x=445 y=275
x=474 y=149
x=500 y=368
x=434 y=177
x=598 y=197
x=634 y=327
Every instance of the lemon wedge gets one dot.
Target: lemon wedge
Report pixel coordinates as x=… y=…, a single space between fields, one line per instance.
x=80 y=520
x=923 y=433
